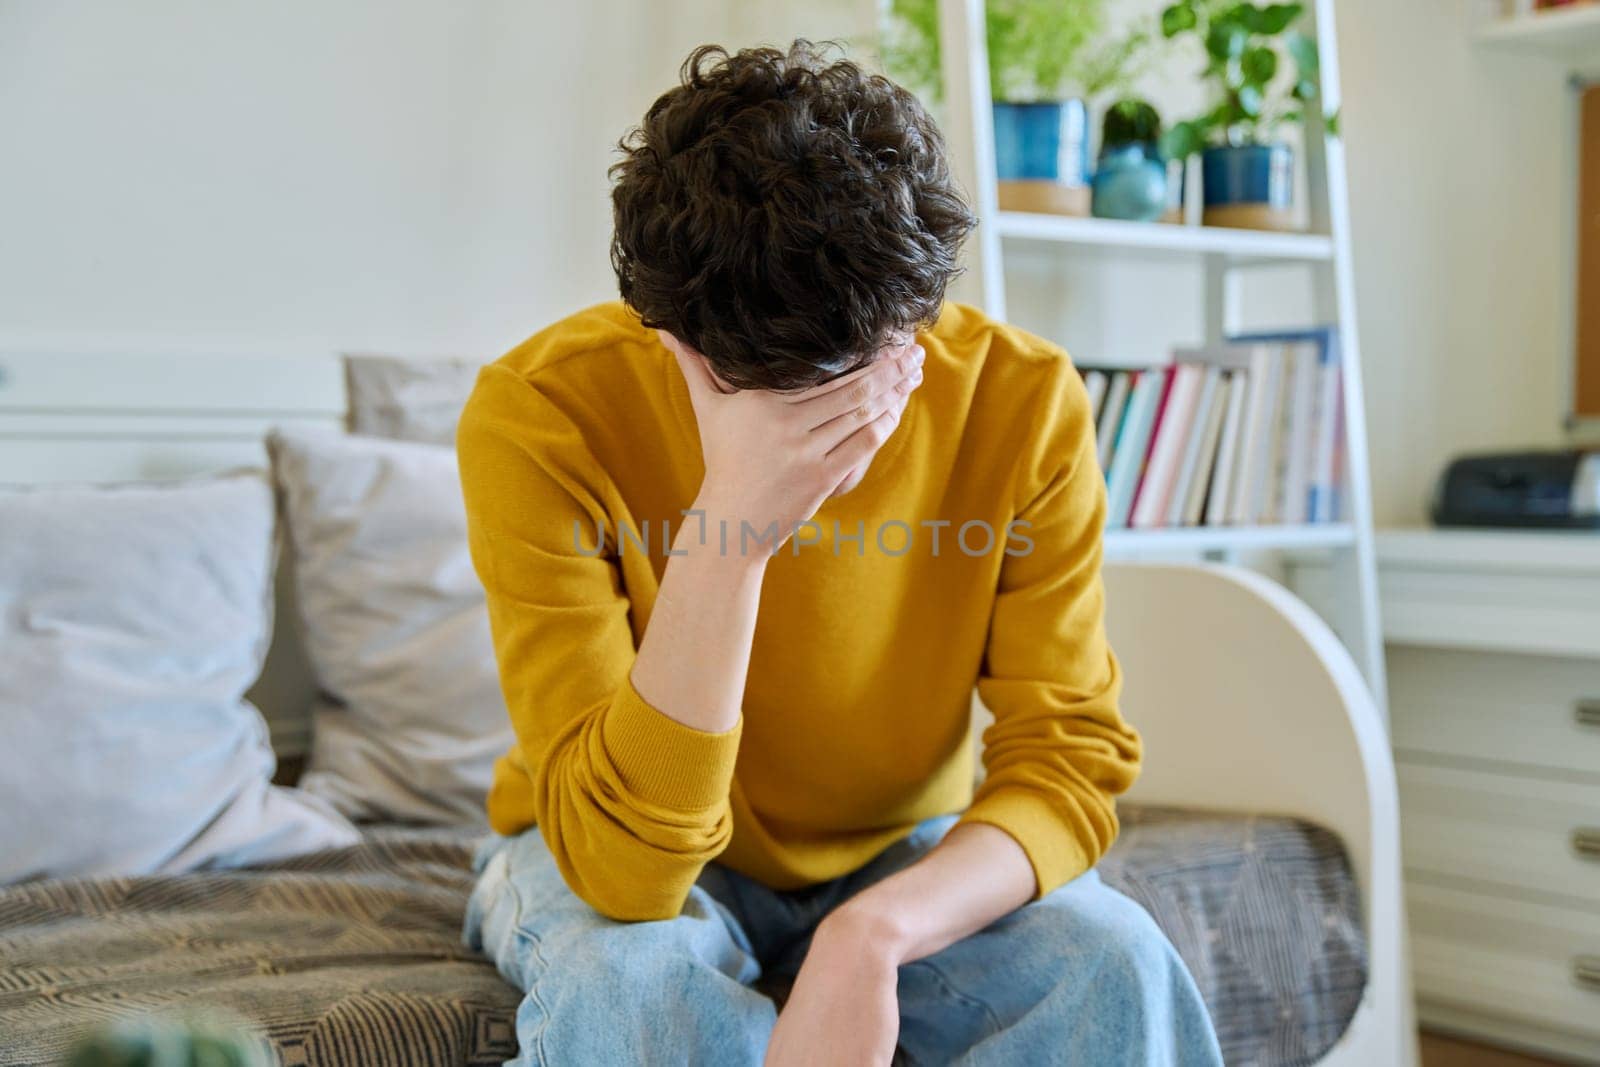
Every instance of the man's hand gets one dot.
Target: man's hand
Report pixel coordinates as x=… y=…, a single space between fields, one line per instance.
x=775 y=457
x=771 y=458
x=843 y=1008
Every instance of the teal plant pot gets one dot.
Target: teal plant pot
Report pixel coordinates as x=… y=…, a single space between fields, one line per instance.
x=1041 y=156
x=1249 y=186
x=1042 y=142
x=1131 y=183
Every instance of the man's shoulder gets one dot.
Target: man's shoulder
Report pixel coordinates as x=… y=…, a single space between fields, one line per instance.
x=1012 y=373
x=600 y=331
x=590 y=369
x=1025 y=407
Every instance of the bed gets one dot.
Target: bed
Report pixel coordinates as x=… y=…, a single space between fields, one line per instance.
x=1262 y=835
x=353 y=956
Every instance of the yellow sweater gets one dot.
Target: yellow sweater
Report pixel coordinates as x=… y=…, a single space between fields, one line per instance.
x=874 y=625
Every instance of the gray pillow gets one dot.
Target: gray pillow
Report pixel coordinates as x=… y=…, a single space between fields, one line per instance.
x=408 y=399
x=396 y=629
x=132 y=619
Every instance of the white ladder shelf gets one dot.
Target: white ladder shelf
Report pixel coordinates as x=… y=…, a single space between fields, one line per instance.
x=1218 y=255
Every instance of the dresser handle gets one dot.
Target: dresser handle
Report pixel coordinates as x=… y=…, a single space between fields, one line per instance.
x=1586 y=969
x=1587 y=712
x=1586 y=842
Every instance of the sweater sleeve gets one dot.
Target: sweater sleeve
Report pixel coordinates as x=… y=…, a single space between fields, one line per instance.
x=1058 y=751
x=632 y=803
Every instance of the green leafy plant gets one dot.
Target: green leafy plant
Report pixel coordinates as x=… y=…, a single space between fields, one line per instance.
x=1130 y=121
x=1113 y=65
x=184 y=1041
x=1265 y=72
x=1039 y=50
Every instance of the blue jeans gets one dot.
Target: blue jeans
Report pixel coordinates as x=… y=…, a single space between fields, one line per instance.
x=1083 y=976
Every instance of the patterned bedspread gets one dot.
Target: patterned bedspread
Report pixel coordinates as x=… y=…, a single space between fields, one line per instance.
x=1267 y=915
x=354 y=956
x=346 y=957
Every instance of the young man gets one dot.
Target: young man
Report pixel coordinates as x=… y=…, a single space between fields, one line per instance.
x=750 y=537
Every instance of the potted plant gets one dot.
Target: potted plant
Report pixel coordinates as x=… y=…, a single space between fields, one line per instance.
x=1047 y=58
x=1247 y=171
x=1130 y=180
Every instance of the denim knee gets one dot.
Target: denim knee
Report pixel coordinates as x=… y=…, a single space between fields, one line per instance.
x=1134 y=974
x=665 y=991
x=1110 y=934
x=485 y=849
x=523 y=916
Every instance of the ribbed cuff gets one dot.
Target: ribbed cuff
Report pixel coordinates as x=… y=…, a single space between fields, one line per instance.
x=1056 y=854
x=661 y=761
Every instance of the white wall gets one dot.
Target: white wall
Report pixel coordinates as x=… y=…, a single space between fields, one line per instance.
x=1458 y=161
x=410 y=175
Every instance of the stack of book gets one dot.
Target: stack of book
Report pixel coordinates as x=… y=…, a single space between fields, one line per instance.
x=1248 y=434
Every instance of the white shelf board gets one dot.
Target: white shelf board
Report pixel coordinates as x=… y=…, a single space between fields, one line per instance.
x=1566 y=32
x=1132 y=543
x=1161 y=237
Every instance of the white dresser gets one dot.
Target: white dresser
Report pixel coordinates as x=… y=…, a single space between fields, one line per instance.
x=1493 y=647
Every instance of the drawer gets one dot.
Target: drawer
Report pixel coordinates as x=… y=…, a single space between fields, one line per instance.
x=1529 y=833
x=1533 y=710
x=1527 y=962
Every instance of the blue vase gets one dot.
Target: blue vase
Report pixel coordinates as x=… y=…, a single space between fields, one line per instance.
x=1249 y=185
x=1042 y=142
x=1131 y=183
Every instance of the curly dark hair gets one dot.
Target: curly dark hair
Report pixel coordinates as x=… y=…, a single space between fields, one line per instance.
x=785 y=215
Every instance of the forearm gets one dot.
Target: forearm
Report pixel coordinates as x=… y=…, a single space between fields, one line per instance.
x=634 y=807
x=771 y=459
x=695 y=654
x=976 y=875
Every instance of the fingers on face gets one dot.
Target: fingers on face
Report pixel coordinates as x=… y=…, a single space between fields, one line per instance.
x=903 y=354
x=861 y=445
x=862 y=395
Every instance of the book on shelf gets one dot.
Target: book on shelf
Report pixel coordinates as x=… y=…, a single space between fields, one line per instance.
x=1132 y=445
x=1247 y=433
x=1225 y=460
x=1109 y=420
x=1328 y=418
x=1189 y=494
x=1255 y=446
x=1314 y=494
x=1095 y=382
x=1150 y=442
x=1294 y=455
x=1170 y=439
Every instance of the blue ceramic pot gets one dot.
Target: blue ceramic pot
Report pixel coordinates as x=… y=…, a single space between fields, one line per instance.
x=1257 y=174
x=1042 y=142
x=1131 y=183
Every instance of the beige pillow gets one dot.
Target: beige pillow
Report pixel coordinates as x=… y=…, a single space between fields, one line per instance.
x=408 y=399
x=395 y=626
x=132 y=619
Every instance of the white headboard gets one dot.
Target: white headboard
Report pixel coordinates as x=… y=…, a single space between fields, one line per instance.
x=110 y=417
x=120 y=416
